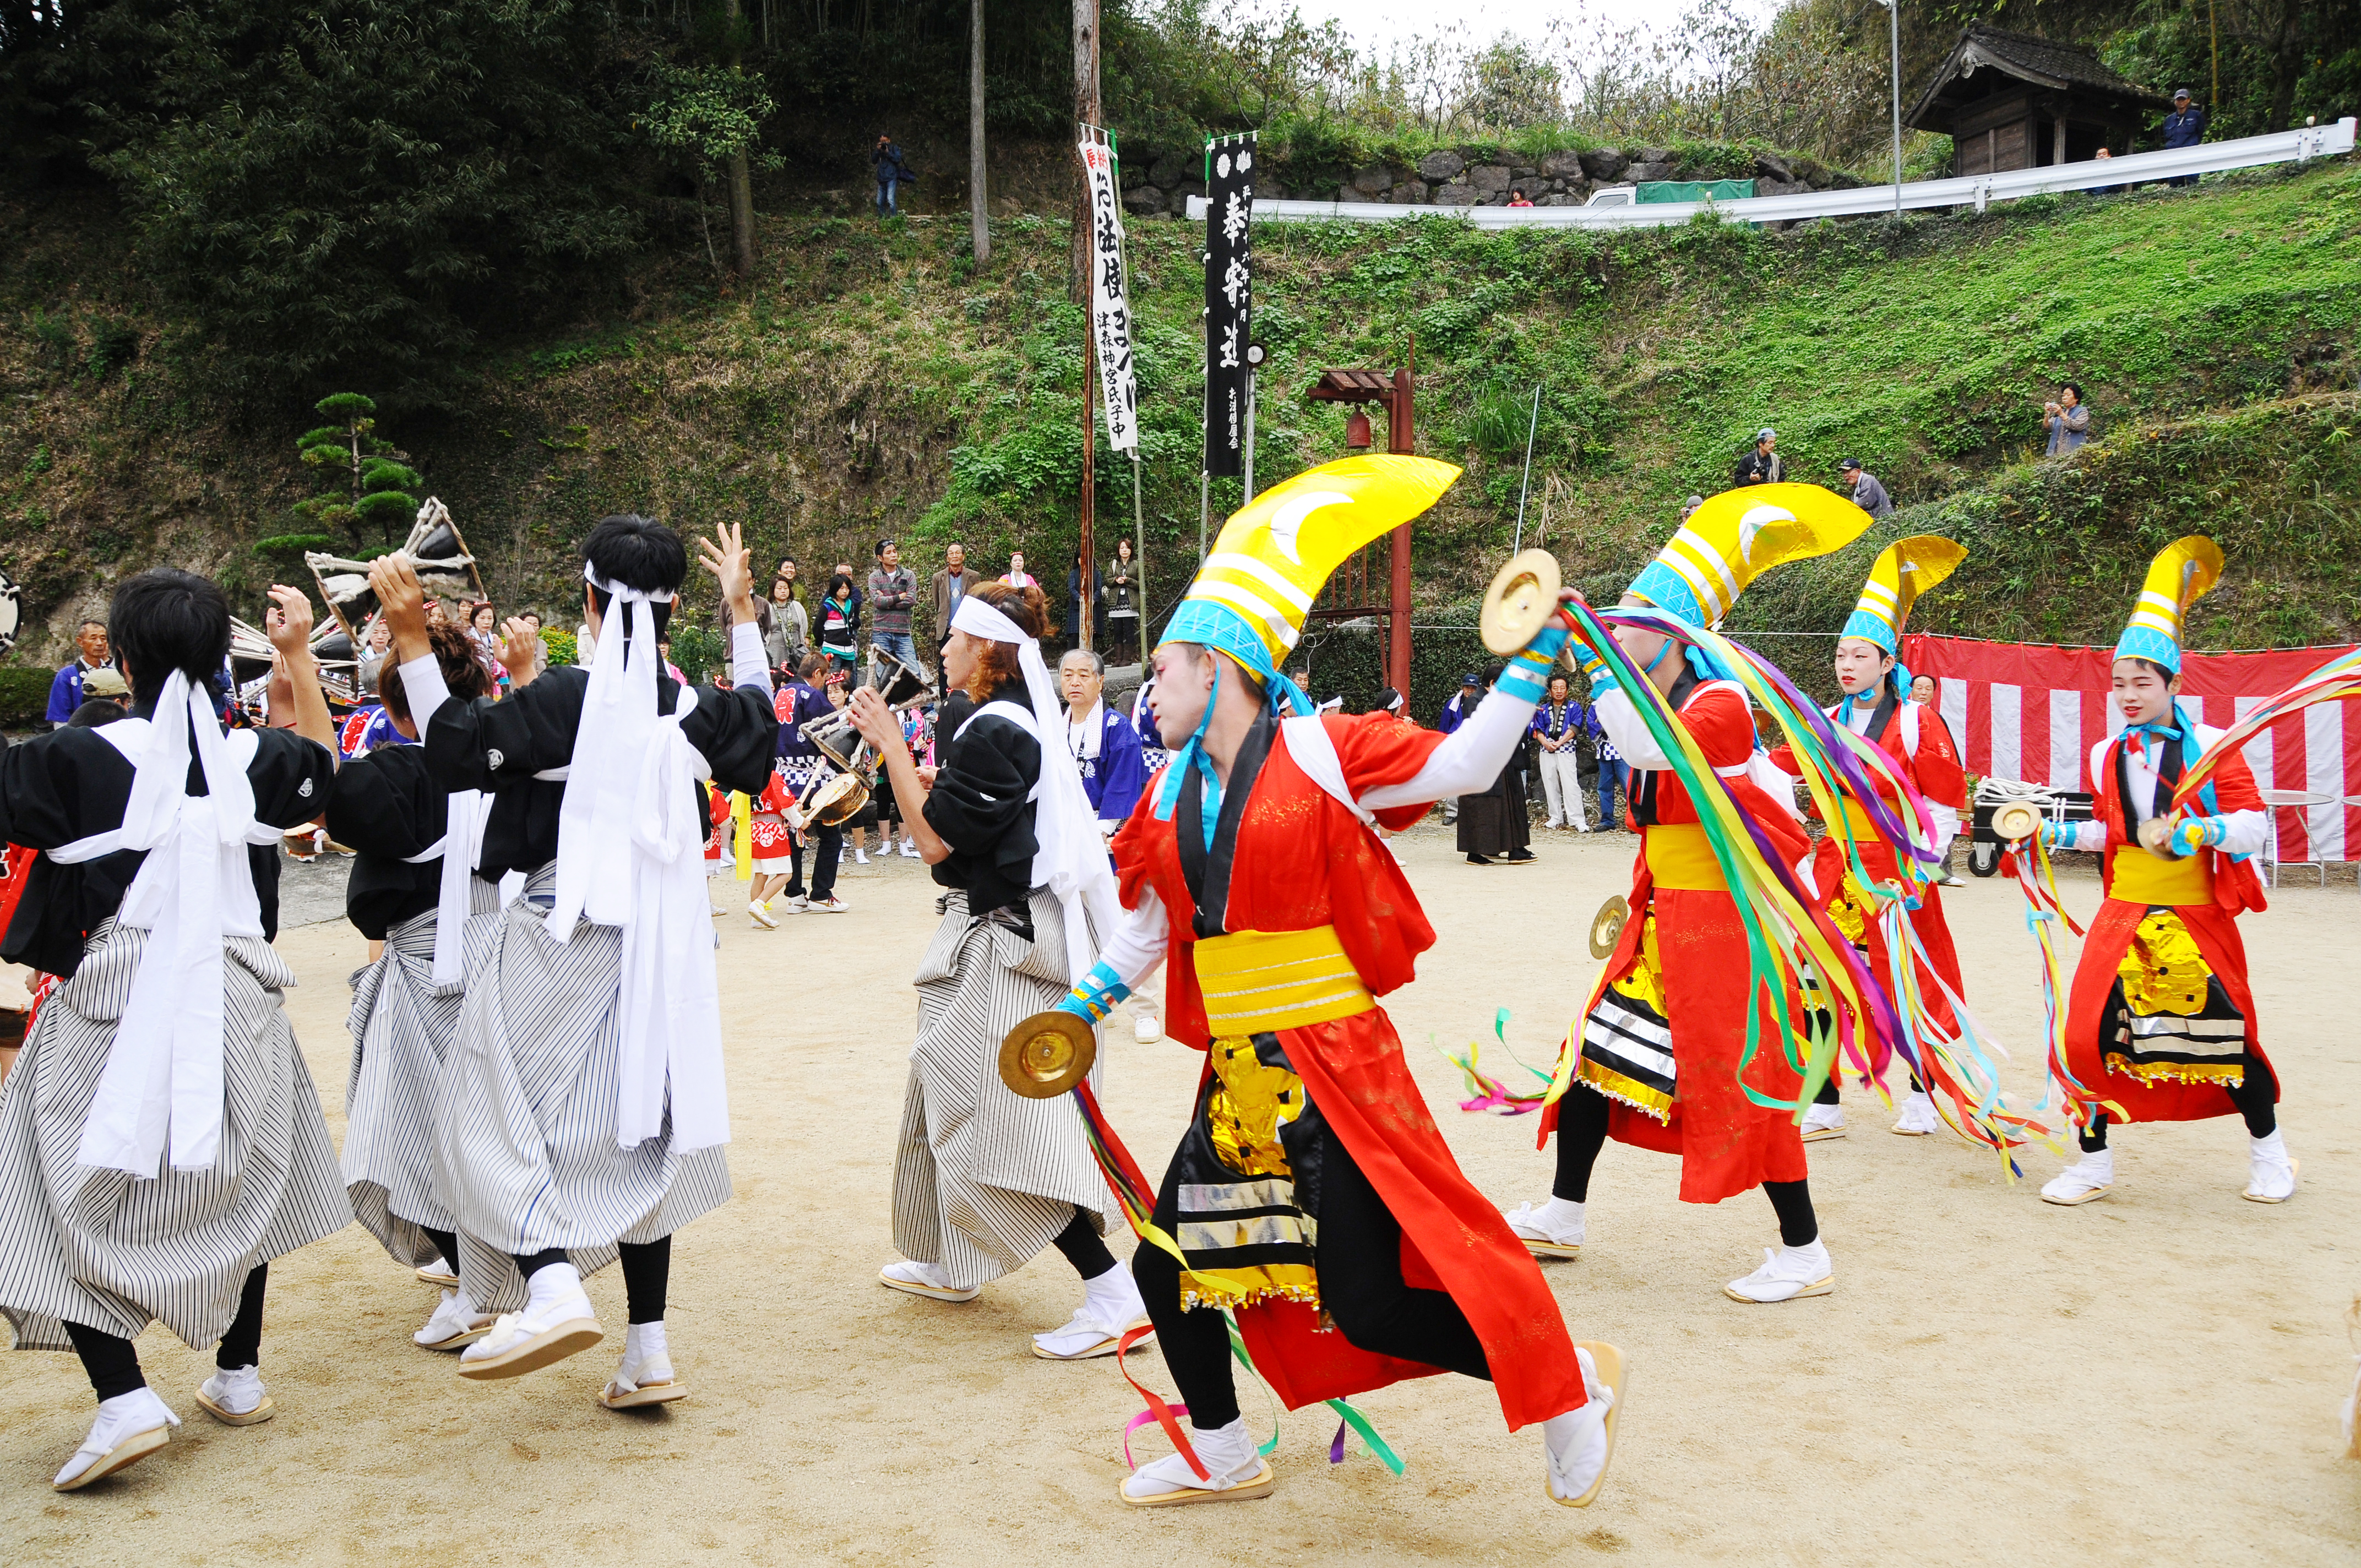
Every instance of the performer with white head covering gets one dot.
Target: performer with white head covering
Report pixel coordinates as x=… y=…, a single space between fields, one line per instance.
x=581 y=1111
x=160 y=1140
x=983 y=1180
x=412 y=892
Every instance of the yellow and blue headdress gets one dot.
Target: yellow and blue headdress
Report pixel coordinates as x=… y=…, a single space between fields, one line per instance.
x=1903 y=570
x=1735 y=537
x=2182 y=572
x=1273 y=559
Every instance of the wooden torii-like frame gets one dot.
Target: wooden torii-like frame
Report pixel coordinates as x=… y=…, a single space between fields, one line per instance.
x=1348 y=596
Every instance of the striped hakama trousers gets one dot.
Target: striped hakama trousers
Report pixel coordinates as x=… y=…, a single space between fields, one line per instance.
x=524 y=1119
x=98 y=1248
x=402 y=1028
x=985 y=1179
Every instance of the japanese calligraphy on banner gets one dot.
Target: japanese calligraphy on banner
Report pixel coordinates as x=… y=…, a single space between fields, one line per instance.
x=1229 y=302
x=1110 y=298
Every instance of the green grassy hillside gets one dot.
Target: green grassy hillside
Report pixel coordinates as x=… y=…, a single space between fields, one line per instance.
x=872 y=382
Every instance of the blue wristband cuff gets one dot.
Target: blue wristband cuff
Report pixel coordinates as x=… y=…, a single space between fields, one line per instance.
x=1097 y=996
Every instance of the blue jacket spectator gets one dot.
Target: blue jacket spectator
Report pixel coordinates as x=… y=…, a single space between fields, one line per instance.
x=65 y=691
x=2068 y=421
x=1463 y=703
x=1106 y=748
x=2185 y=127
x=892 y=171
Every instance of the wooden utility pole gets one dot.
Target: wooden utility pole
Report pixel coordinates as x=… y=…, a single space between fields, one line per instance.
x=979 y=226
x=742 y=176
x=1086 y=112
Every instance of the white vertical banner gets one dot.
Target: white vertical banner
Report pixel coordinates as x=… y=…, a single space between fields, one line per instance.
x=1110 y=295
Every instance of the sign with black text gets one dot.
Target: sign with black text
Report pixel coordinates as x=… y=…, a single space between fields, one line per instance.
x=1229 y=299
x=1110 y=296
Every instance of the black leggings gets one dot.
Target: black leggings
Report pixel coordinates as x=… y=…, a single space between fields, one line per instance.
x=1083 y=1246
x=112 y=1362
x=1582 y=1133
x=2256 y=1095
x=647 y=1274
x=446 y=1243
x=1361 y=1288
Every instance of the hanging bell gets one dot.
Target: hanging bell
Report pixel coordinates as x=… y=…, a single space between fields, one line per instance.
x=1356 y=432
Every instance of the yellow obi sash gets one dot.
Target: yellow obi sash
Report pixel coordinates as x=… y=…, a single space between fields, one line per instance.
x=1261 y=982
x=1680 y=858
x=2143 y=878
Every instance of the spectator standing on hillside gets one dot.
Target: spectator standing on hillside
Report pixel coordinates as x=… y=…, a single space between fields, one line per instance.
x=892 y=593
x=2066 y=421
x=944 y=591
x=1761 y=466
x=1688 y=507
x=844 y=569
x=65 y=692
x=1867 y=493
x=2185 y=127
x=1017 y=576
x=1123 y=605
x=892 y=171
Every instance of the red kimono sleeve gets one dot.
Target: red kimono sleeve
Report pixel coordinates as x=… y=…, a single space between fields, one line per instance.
x=1377 y=749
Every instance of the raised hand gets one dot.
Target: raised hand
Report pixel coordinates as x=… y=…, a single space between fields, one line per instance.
x=287 y=622
x=404 y=600
x=725 y=556
x=520 y=650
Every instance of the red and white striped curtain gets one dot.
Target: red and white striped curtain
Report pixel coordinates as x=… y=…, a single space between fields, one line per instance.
x=2028 y=711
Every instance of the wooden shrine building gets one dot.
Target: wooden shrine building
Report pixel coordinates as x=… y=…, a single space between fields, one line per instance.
x=2012 y=101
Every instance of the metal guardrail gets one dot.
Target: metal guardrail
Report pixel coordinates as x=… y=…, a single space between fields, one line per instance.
x=1967 y=190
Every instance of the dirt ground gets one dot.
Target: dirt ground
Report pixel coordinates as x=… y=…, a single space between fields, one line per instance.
x=2152 y=1378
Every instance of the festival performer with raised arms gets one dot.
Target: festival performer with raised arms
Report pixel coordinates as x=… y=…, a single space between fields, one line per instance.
x=582 y=1111
x=1312 y=1186
x=1876 y=705
x=985 y=1180
x=160 y=1139
x=1660 y=1056
x=412 y=892
x=2160 y=1025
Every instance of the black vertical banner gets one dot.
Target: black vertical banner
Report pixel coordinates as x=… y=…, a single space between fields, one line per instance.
x=1229 y=299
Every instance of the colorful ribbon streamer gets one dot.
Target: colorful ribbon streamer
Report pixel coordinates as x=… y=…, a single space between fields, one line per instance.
x=1490 y=1094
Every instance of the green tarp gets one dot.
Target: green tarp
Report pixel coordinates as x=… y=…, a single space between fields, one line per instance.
x=1695 y=190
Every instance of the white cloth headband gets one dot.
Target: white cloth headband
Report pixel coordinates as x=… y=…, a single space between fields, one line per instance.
x=1072 y=861
x=626 y=859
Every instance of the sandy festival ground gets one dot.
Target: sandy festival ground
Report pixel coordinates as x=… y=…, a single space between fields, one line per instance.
x=2153 y=1378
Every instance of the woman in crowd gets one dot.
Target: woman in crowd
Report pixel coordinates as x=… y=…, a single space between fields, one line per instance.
x=840 y=623
x=1122 y=604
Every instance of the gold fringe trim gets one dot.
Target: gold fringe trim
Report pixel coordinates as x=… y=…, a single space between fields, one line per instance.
x=2229 y=1077
x=1632 y=1093
x=1235 y=1287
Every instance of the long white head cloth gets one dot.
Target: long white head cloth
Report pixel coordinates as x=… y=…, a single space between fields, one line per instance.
x=629 y=856
x=1072 y=861
x=164 y=1069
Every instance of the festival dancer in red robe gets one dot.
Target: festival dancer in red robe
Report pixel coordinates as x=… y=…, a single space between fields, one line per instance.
x=1312 y=1186
x=2161 y=1023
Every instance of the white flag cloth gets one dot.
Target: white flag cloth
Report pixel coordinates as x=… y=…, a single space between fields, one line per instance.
x=629 y=856
x=1071 y=859
x=162 y=1084
x=462 y=845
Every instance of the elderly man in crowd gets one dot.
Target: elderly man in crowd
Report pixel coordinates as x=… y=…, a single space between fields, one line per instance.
x=65 y=691
x=1761 y=466
x=1105 y=747
x=1867 y=493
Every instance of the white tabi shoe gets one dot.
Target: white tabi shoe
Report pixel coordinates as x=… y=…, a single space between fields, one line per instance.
x=1553 y=1230
x=1236 y=1473
x=1147 y=1029
x=761 y=915
x=236 y=1398
x=926 y=1279
x=1918 y=1116
x=1787 y=1275
x=557 y=1322
x=437 y=1271
x=2274 y=1169
x=129 y=1428
x=2085 y=1180
x=1579 y=1443
x=454 y=1325
x=645 y=1376
x=909 y=849
x=1822 y=1123
x=1111 y=1309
